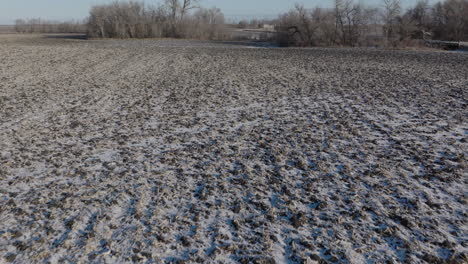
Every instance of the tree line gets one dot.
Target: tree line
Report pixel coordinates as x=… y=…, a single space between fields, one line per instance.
x=120 y=19
x=37 y=25
x=347 y=23
x=173 y=18
x=351 y=23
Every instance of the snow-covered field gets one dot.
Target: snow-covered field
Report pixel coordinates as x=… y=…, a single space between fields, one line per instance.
x=130 y=151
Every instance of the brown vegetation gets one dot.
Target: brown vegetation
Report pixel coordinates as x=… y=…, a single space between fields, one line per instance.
x=348 y=23
x=135 y=20
x=351 y=23
x=38 y=25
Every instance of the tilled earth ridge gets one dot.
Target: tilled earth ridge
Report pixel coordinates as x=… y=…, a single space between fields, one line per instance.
x=116 y=153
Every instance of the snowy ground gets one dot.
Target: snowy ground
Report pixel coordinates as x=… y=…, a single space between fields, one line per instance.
x=117 y=151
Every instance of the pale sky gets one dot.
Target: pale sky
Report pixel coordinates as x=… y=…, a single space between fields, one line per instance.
x=78 y=9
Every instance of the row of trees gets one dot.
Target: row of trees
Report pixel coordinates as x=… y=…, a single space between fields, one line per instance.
x=446 y=20
x=37 y=25
x=171 y=19
x=352 y=23
x=348 y=23
x=345 y=25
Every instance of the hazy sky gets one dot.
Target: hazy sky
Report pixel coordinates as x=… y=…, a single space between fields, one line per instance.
x=77 y=9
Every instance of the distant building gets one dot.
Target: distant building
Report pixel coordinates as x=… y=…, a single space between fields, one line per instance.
x=267 y=27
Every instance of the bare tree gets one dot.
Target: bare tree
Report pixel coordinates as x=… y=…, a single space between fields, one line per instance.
x=420 y=14
x=324 y=21
x=20 y=25
x=178 y=10
x=303 y=27
x=210 y=23
x=294 y=26
x=348 y=13
x=306 y=24
x=391 y=12
x=342 y=9
x=187 y=5
x=452 y=19
x=352 y=22
x=172 y=19
x=348 y=24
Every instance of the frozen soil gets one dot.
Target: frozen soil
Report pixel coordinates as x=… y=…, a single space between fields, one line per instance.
x=113 y=153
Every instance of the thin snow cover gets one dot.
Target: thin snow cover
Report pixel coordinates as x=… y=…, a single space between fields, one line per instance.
x=118 y=151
